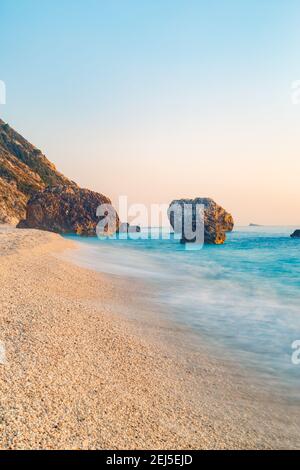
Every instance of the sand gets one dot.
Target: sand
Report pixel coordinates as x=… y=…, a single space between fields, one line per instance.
x=80 y=375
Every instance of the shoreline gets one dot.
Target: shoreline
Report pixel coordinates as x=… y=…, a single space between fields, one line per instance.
x=80 y=375
x=149 y=295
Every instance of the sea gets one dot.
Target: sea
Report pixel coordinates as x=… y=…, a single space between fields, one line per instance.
x=243 y=296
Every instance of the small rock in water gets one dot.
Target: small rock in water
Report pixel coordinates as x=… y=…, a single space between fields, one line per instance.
x=125 y=227
x=296 y=234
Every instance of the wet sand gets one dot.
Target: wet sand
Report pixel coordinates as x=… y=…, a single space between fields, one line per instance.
x=80 y=375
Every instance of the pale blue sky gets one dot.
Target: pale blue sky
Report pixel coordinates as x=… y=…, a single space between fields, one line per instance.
x=163 y=98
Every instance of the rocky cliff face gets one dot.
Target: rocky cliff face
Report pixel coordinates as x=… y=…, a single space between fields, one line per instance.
x=216 y=220
x=12 y=202
x=67 y=209
x=34 y=192
x=24 y=170
x=30 y=156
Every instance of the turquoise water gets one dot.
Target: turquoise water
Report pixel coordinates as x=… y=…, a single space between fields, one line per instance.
x=243 y=295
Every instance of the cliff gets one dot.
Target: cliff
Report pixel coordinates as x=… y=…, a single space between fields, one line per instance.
x=24 y=170
x=35 y=194
x=67 y=209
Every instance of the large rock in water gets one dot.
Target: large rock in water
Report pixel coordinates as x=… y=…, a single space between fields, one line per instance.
x=66 y=209
x=296 y=234
x=216 y=220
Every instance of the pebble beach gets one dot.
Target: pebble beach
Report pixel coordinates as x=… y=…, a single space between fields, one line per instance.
x=78 y=375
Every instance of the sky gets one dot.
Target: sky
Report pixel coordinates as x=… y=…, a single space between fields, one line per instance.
x=161 y=99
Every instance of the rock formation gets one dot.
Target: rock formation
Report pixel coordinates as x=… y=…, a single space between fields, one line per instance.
x=125 y=227
x=216 y=220
x=296 y=234
x=24 y=170
x=67 y=209
x=12 y=202
x=32 y=189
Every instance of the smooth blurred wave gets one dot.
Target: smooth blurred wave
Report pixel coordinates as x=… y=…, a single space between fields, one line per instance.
x=244 y=295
